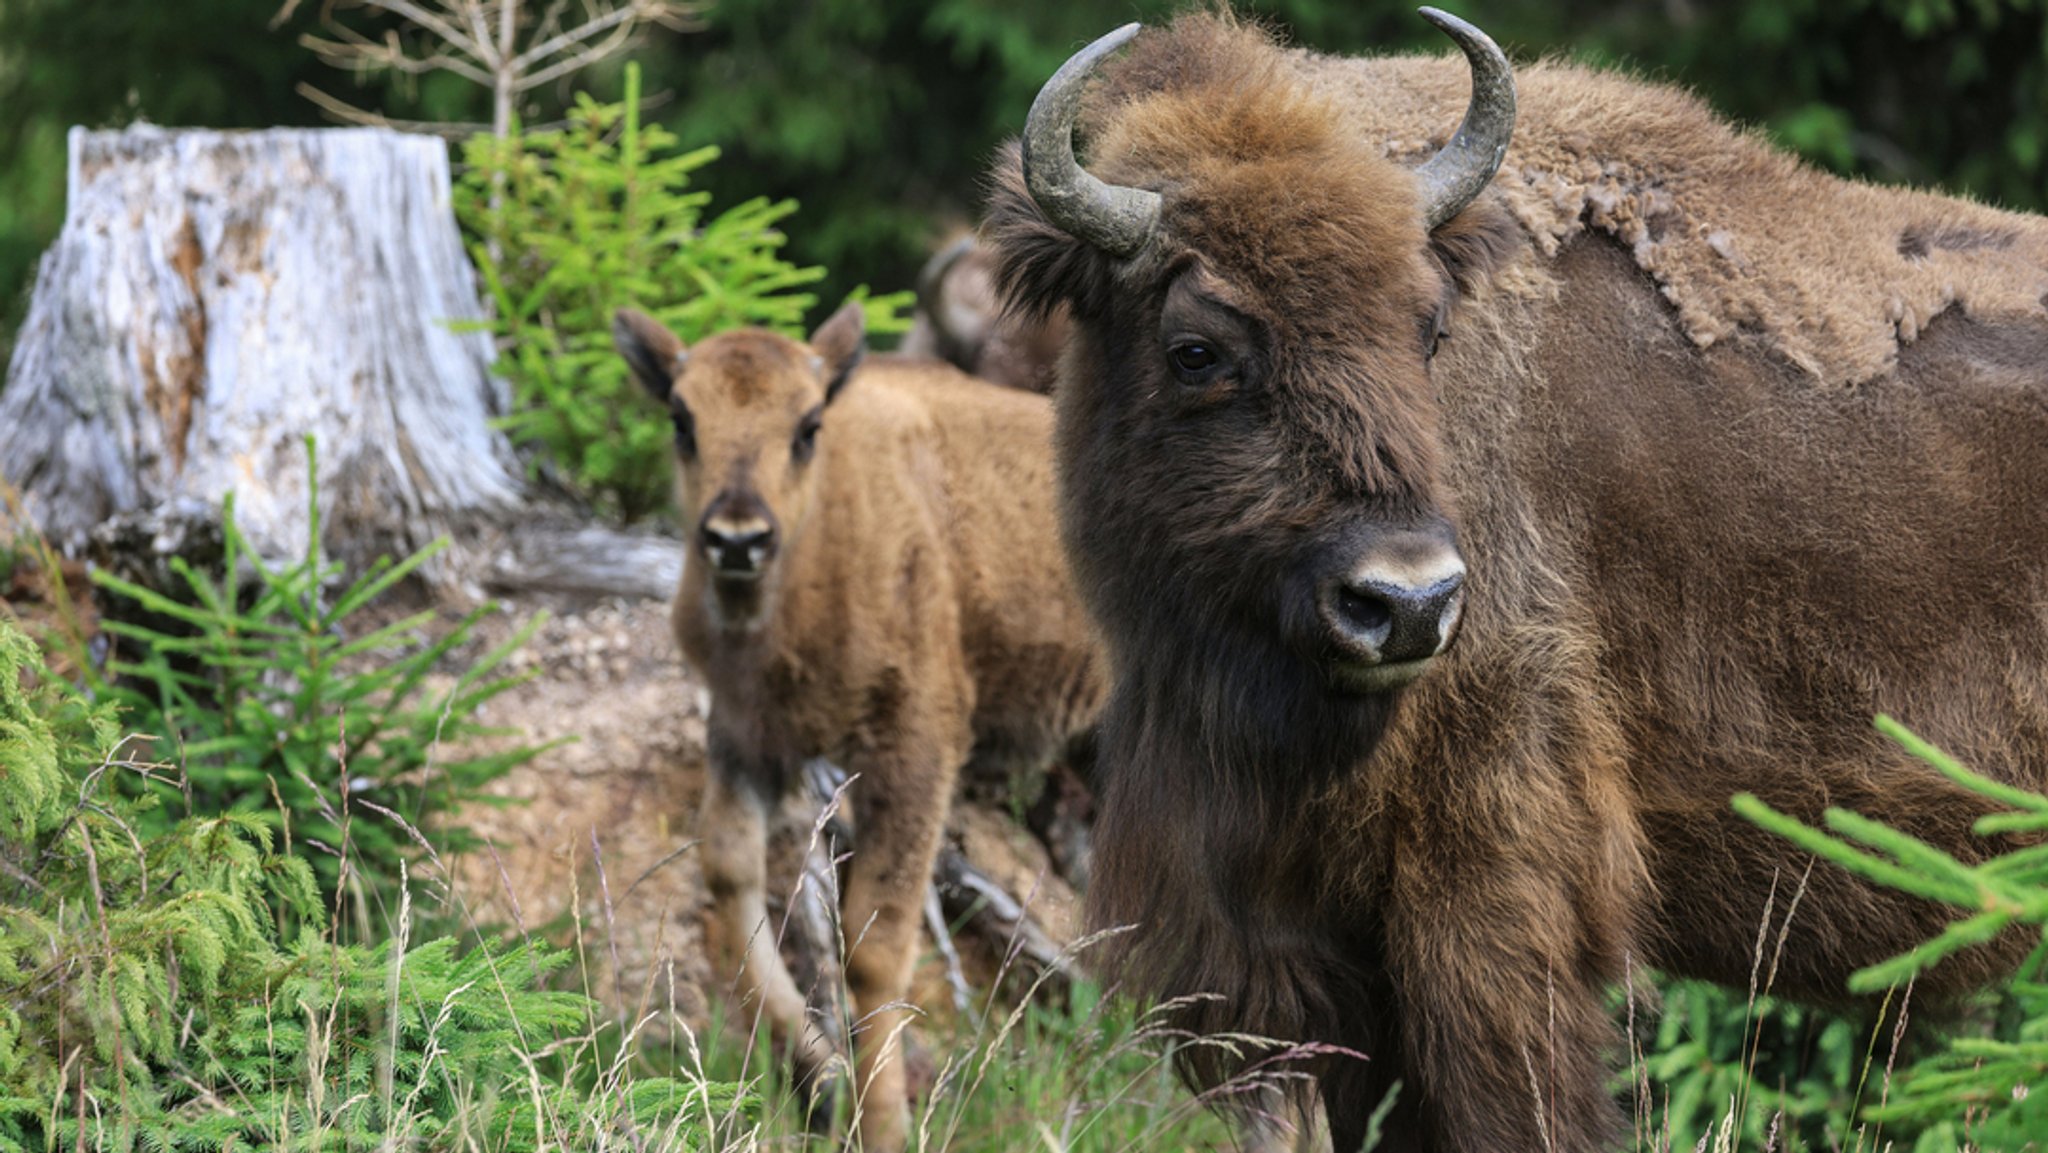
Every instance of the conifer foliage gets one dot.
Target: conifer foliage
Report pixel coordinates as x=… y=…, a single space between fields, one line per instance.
x=150 y=1001
x=1988 y=1089
x=258 y=678
x=571 y=223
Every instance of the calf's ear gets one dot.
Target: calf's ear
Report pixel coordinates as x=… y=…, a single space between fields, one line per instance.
x=840 y=343
x=653 y=352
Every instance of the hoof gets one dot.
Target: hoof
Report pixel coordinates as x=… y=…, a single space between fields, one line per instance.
x=818 y=1094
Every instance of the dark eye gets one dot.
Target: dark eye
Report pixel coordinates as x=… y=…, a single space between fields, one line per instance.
x=686 y=432
x=1194 y=359
x=1434 y=333
x=806 y=441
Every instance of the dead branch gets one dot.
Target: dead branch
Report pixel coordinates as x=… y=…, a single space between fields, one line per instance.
x=965 y=895
x=586 y=560
x=526 y=52
x=956 y=978
x=346 y=113
x=989 y=909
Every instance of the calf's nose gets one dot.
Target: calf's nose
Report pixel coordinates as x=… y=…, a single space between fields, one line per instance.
x=737 y=547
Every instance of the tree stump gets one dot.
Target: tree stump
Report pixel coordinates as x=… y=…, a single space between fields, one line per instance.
x=214 y=298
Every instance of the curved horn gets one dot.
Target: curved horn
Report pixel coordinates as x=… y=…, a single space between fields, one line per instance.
x=1452 y=178
x=1112 y=218
x=936 y=310
x=934 y=271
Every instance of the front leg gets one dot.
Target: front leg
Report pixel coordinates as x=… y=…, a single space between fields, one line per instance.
x=734 y=826
x=899 y=807
x=1499 y=978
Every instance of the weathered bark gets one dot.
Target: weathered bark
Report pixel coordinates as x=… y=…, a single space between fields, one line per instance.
x=214 y=298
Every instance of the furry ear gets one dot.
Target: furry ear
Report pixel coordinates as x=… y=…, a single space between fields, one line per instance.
x=840 y=342
x=1038 y=266
x=653 y=352
x=1475 y=244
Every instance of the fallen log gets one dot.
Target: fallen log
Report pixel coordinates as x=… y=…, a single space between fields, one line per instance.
x=584 y=560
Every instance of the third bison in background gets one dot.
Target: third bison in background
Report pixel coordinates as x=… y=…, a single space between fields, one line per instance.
x=960 y=319
x=1462 y=542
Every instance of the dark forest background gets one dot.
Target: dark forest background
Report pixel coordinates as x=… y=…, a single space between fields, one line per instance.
x=878 y=116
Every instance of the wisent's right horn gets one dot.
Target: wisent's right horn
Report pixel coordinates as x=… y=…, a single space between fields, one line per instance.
x=1115 y=219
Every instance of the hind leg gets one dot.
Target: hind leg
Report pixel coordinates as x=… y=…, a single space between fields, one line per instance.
x=1063 y=816
x=899 y=807
x=734 y=827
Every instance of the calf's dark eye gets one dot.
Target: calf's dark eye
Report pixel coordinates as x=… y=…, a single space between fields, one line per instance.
x=686 y=433
x=805 y=443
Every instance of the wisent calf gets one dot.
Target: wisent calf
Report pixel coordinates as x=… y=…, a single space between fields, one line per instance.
x=874 y=577
x=1469 y=515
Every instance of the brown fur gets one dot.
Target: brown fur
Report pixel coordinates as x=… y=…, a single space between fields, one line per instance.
x=960 y=319
x=1738 y=456
x=915 y=618
x=1739 y=237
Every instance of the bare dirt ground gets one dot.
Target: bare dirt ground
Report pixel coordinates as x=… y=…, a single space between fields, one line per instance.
x=594 y=846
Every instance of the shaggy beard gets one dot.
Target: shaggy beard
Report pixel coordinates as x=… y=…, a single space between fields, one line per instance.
x=1235 y=715
x=1211 y=758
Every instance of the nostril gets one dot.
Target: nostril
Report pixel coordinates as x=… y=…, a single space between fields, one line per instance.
x=1392 y=607
x=1363 y=611
x=1382 y=621
x=1451 y=613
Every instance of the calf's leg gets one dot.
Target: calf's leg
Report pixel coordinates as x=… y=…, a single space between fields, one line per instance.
x=734 y=827
x=899 y=806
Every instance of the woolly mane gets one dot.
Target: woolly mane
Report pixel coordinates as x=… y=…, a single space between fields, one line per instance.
x=1742 y=239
